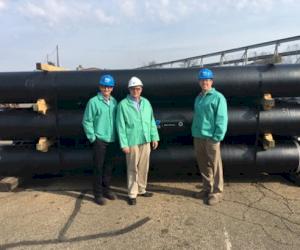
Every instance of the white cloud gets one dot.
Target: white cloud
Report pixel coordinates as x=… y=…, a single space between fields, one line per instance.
x=129 y=8
x=159 y=11
x=167 y=11
x=3 y=4
x=50 y=11
x=55 y=12
x=254 y=5
x=103 y=17
x=34 y=10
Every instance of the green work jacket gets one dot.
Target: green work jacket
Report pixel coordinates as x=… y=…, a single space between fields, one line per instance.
x=99 y=119
x=210 y=116
x=135 y=127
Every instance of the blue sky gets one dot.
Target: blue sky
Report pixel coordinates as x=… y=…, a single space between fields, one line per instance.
x=130 y=33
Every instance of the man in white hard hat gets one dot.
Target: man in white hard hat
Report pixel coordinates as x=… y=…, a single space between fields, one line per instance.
x=137 y=132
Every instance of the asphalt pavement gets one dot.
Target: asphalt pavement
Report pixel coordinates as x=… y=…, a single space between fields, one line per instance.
x=261 y=212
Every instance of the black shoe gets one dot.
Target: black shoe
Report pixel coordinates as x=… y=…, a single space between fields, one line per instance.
x=100 y=200
x=132 y=201
x=109 y=195
x=203 y=194
x=147 y=194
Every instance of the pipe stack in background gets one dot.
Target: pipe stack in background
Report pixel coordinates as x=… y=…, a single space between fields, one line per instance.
x=260 y=138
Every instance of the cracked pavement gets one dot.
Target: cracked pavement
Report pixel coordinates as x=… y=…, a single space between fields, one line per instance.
x=256 y=213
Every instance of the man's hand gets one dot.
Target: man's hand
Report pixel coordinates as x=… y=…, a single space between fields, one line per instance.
x=154 y=145
x=126 y=150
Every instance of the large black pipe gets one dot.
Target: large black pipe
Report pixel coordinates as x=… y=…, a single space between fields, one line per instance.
x=237 y=158
x=284 y=158
x=169 y=85
x=282 y=120
x=26 y=124
x=24 y=161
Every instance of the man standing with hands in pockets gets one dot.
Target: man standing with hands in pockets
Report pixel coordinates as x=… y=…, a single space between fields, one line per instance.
x=137 y=130
x=208 y=129
x=100 y=129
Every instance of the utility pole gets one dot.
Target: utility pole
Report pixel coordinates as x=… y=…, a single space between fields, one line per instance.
x=57 y=56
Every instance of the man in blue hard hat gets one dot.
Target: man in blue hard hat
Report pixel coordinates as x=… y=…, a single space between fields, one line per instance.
x=100 y=129
x=208 y=130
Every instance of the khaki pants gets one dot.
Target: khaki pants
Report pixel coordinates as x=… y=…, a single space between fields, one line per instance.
x=209 y=161
x=137 y=169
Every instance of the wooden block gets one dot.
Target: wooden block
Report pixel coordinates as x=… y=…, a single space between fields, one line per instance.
x=41 y=106
x=268 y=141
x=48 y=67
x=8 y=184
x=43 y=144
x=268 y=102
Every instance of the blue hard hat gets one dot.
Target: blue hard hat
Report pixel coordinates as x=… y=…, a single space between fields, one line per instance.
x=205 y=74
x=107 y=80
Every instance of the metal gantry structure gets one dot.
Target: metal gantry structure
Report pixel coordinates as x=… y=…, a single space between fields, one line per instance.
x=248 y=55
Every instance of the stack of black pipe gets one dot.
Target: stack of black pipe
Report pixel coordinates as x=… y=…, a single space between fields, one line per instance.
x=172 y=93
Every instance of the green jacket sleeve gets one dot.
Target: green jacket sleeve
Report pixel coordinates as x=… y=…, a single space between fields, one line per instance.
x=153 y=131
x=221 y=120
x=88 y=122
x=121 y=127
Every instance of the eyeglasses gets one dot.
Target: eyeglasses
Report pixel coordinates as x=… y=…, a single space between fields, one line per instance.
x=135 y=89
x=106 y=87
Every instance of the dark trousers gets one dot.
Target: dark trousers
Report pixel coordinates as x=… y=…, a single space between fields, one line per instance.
x=103 y=163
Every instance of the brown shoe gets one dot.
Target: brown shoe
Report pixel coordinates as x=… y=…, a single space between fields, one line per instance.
x=214 y=199
x=203 y=194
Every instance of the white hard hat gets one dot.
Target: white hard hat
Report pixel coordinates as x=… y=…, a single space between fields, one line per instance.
x=134 y=81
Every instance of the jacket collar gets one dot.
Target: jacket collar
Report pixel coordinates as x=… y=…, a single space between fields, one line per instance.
x=101 y=98
x=130 y=99
x=210 y=92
